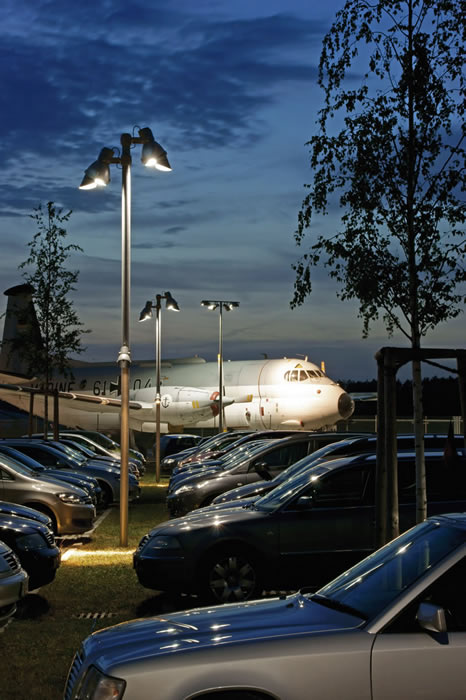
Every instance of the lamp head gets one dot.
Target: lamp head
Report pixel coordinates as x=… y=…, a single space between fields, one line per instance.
x=98 y=174
x=211 y=305
x=170 y=302
x=153 y=155
x=146 y=312
x=230 y=305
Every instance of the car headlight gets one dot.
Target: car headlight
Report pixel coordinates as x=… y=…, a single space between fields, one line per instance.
x=34 y=541
x=183 y=489
x=161 y=542
x=68 y=497
x=97 y=686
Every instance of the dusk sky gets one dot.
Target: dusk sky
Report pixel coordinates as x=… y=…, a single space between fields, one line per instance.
x=230 y=90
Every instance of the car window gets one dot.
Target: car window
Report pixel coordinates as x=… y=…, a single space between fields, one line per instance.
x=443 y=482
x=447 y=592
x=343 y=488
x=5 y=476
x=282 y=456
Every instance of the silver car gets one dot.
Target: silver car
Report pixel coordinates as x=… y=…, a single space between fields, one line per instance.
x=13 y=582
x=393 y=626
x=69 y=507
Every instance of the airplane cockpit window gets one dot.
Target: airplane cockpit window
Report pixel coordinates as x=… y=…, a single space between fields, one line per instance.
x=302 y=375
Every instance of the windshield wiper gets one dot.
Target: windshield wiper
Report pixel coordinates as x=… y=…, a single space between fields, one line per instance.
x=337 y=605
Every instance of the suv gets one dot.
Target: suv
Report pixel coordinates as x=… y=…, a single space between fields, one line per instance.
x=394 y=626
x=13 y=582
x=302 y=533
x=69 y=507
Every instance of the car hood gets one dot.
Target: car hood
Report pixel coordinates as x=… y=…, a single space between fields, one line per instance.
x=188 y=631
x=25 y=512
x=207 y=517
x=196 y=476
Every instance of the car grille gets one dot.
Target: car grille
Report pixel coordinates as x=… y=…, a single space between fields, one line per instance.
x=12 y=560
x=50 y=539
x=143 y=542
x=73 y=674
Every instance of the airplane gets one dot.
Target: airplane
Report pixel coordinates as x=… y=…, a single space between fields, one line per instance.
x=258 y=394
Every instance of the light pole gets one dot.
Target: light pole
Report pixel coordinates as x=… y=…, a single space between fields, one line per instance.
x=146 y=313
x=98 y=175
x=228 y=306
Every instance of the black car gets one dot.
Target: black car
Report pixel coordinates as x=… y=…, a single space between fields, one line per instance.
x=342 y=448
x=7 y=508
x=302 y=533
x=34 y=545
x=270 y=457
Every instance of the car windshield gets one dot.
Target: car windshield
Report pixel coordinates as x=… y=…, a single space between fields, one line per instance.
x=18 y=467
x=332 y=447
x=71 y=453
x=248 y=451
x=375 y=582
x=25 y=460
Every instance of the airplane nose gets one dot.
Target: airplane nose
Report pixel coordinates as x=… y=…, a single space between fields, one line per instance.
x=345 y=406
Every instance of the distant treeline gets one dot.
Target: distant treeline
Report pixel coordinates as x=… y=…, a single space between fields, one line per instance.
x=440 y=397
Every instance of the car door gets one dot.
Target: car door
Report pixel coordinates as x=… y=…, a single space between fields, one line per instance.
x=409 y=662
x=335 y=531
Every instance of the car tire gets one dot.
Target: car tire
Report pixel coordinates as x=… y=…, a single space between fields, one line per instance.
x=231 y=575
x=106 y=497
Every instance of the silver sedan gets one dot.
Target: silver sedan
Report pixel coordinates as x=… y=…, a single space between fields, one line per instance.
x=393 y=626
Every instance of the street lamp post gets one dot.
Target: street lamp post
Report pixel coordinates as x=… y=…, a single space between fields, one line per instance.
x=146 y=313
x=228 y=306
x=98 y=175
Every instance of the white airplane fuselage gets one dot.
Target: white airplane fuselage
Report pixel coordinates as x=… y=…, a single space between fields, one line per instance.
x=258 y=394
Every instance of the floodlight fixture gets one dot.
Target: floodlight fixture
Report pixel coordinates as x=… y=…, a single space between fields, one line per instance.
x=153 y=155
x=98 y=173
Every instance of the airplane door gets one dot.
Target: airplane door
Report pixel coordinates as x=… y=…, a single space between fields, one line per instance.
x=333 y=533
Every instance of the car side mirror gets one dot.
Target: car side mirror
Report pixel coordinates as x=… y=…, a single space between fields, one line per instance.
x=261 y=469
x=304 y=503
x=431 y=617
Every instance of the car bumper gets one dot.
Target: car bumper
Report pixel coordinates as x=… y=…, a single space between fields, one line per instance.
x=41 y=566
x=180 y=505
x=162 y=574
x=12 y=588
x=75 y=519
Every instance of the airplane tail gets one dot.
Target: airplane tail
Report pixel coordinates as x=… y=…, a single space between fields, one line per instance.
x=20 y=323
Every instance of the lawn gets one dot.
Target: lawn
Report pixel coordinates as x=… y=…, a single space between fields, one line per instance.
x=95 y=587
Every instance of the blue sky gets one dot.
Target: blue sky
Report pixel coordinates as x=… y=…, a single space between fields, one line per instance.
x=229 y=89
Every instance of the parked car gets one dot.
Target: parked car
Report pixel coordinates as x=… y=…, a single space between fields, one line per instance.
x=46 y=454
x=393 y=626
x=83 y=481
x=302 y=533
x=13 y=582
x=34 y=545
x=200 y=486
x=8 y=508
x=82 y=453
x=172 y=443
x=342 y=448
x=211 y=444
x=69 y=507
x=104 y=446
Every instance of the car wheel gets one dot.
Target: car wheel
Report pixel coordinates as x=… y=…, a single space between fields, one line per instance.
x=106 y=497
x=231 y=576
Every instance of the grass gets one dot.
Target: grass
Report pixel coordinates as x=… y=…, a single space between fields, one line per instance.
x=94 y=588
